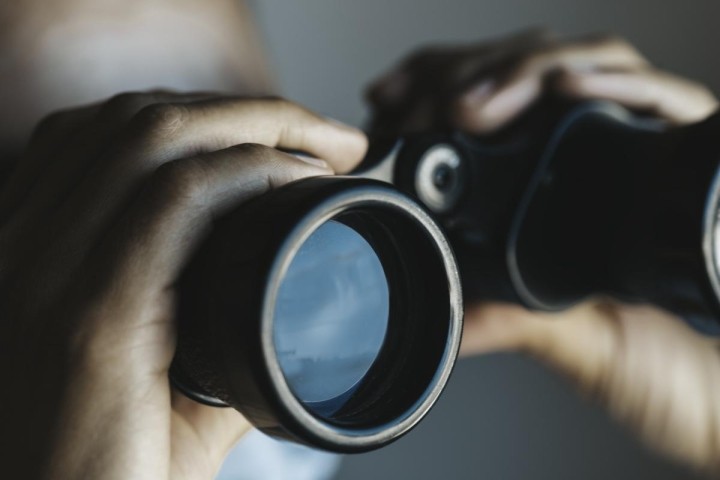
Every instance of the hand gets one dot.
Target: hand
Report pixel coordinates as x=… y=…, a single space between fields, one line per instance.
x=480 y=88
x=648 y=368
x=95 y=224
x=651 y=371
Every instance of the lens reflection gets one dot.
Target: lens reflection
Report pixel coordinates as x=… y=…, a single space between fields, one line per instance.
x=331 y=314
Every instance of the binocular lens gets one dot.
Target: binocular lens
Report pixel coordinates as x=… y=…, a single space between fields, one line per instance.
x=331 y=316
x=328 y=312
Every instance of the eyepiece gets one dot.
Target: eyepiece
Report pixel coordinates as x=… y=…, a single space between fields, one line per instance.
x=439 y=178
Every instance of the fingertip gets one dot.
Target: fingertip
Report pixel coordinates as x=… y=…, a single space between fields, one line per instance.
x=353 y=153
x=494 y=327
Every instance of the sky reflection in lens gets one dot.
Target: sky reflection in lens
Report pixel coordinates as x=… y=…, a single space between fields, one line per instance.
x=331 y=313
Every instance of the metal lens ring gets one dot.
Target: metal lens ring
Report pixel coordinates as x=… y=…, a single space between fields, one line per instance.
x=438 y=182
x=379 y=376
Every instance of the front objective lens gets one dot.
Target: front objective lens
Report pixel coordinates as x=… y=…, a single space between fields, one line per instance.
x=331 y=316
x=328 y=312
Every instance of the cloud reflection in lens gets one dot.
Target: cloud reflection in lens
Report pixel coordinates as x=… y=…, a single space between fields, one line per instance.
x=331 y=314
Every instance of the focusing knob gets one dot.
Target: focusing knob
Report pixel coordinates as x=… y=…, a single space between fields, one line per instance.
x=439 y=178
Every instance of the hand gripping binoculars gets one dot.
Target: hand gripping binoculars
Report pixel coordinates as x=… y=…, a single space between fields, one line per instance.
x=329 y=311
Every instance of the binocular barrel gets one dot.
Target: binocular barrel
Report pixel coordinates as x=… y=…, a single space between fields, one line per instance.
x=578 y=202
x=329 y=312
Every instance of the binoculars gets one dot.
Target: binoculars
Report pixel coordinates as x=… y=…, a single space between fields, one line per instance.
x=329 y=311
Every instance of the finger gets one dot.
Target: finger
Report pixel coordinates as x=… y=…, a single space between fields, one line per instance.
x=175 y=131
x=438 y=74
x=49 y=135
x=485 y=108
x=583 y=343
x=390 y=88
x=493 y=327
x=578 y=342
x=651 y=370
x=667 y=96
x=486 y=66
x=65 y=142
x=142 y=255
x=161 y=133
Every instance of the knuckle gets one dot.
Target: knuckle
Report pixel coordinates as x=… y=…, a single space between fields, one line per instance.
x=124 y=104
x=180 y=181
x=262 y=159
x=159 y=120
x=252 y=150
x=52 y=122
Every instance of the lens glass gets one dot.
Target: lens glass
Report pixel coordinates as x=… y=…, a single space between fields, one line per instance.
x=331 y=314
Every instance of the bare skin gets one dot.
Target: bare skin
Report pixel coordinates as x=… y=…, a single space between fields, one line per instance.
x=107 y=206
x=109 y=200
x=481 y=87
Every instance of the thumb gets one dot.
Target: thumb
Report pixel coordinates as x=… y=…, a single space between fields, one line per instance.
x=580 y=342
x=647 y=367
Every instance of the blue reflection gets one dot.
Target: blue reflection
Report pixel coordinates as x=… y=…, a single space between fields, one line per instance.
x=331 y=313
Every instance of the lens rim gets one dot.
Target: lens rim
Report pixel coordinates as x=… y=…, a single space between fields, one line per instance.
x=711 y=218
x=324 y=432
x=440 y=202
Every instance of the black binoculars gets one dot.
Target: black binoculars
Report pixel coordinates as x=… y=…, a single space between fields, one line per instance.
x=329 y=311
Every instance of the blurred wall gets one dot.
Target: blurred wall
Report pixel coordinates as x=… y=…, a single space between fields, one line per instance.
x=503 y=417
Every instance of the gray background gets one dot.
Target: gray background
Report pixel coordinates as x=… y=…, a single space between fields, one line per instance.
x=502 y=417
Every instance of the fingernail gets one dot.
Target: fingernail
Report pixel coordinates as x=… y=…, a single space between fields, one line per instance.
x=312 y=161
x=479 y=92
